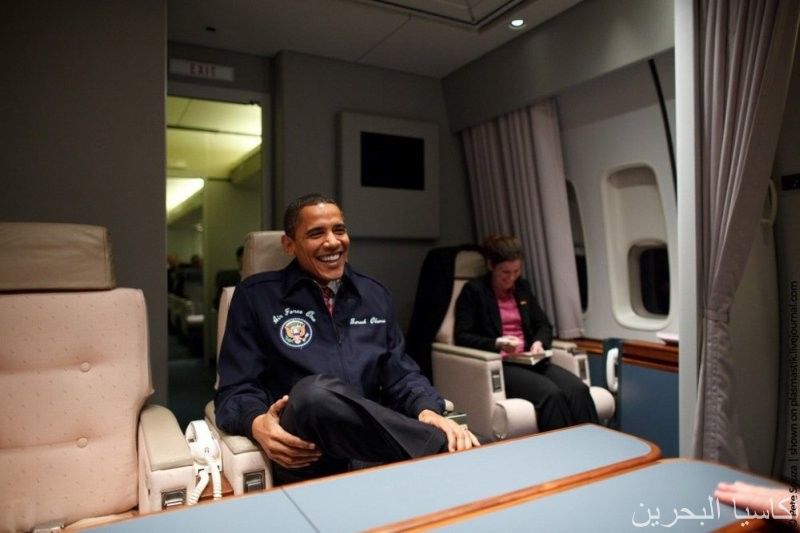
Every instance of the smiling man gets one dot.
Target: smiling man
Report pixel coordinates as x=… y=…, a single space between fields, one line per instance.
x=313 y=363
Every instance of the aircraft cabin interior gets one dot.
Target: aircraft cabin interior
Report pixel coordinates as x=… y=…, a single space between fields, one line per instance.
x=644 y=152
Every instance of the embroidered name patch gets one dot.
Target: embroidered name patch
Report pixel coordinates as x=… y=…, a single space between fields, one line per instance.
x=296 y=333
x=363 y=321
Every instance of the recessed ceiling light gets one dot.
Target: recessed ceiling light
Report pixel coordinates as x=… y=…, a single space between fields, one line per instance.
x=516 y=24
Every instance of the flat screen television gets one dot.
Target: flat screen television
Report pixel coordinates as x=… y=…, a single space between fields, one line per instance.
x=389 y=176
x=392 y=161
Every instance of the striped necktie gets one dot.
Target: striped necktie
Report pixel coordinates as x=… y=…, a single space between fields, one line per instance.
x=328 y=295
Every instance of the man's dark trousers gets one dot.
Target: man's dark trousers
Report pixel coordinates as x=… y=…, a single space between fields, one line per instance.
x=347 y=427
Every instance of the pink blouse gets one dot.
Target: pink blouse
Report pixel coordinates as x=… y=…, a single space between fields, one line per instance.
x=511 y=321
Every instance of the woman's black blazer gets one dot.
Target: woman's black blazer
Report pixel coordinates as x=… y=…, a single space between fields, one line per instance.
x=477 y=316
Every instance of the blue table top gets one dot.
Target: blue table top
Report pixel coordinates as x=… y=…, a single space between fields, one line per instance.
x=675 y=494
x=401 y=491
x=410 y=489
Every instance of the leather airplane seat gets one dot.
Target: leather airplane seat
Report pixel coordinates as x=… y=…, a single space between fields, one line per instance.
x=473 y=379
x=78 y=443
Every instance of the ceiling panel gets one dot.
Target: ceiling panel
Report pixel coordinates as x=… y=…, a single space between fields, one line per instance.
x=222 y=116
x=201 y=154
x=194 y=145
x=176 y=106
x=452 y=10
x=400 y=51
x=328 y=28
x=359 y=31
x=472 y=14
x=483 y=8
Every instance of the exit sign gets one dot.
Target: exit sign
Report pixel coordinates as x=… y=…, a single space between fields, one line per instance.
x=196 y=69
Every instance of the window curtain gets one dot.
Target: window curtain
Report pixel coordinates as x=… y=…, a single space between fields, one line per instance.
x=745 y=53
x=516 y=174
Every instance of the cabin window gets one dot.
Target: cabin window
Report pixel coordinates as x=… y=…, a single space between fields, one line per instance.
x=576 y=222
x=649 y=268
x=636 y=244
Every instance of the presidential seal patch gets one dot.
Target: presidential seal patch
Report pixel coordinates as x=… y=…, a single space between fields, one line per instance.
x=296 y=333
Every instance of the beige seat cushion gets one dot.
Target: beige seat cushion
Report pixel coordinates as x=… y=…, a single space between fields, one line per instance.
x=43 y=256
x=469 y=264
x=74 y=375
x=263 y=252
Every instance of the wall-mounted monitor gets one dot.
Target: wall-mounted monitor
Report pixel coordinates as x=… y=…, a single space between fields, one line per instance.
x=392 y=161
x=389 y=176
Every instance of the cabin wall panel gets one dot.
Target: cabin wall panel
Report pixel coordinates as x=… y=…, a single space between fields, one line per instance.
x=787 y=158
x=184 y=242
x=229 y=214
x=665 y=68
x=587 y=41
x=754 y=342
x=607 y=124
x=648 y=406
x=310 y=93
x=83 y=133
x=787 y=235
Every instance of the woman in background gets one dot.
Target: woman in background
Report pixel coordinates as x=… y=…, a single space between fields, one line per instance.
x=498 y=312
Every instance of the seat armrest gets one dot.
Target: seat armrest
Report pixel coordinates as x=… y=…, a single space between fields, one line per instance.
x=465 y=352
x=166 y=466
x=513 y=417
x=564 y=345
x=604 y=402
x=244 y=463
x=565 y=360
x=472 y=380
x=164 y=441
x=449 y=407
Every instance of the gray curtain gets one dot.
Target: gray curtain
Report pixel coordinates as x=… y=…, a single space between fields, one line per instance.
x=516 y=173
x=745 y=51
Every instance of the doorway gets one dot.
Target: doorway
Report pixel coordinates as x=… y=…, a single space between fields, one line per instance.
x=214 y=182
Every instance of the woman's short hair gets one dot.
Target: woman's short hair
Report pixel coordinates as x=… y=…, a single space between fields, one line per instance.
x=499 y=248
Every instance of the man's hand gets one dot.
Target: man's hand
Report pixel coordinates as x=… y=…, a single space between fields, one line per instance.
x=458 y=438
x=537 y=347
x=281 y=446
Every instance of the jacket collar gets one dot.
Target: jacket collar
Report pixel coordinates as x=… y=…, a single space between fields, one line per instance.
x=295 y=277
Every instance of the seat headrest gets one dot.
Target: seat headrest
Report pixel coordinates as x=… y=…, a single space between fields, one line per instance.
x=469 y=264
x=263 y=252
x=50 y=256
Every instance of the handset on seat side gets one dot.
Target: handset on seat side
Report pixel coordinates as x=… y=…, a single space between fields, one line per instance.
x=207 y=459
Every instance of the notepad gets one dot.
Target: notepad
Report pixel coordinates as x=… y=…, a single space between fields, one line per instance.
x=528 y=358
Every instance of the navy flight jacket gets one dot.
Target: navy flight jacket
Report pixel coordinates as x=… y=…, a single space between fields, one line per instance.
x=279 y=331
